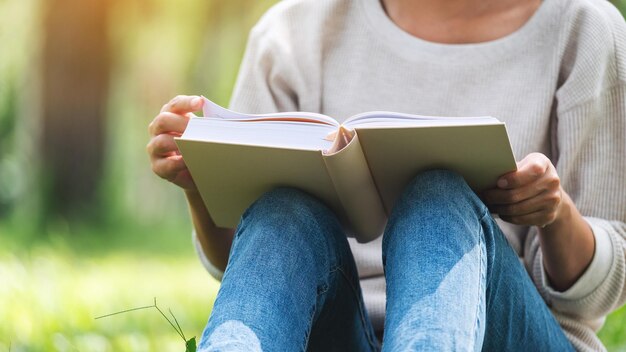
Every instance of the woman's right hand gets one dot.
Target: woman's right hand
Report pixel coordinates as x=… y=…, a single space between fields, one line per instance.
x=164 y=154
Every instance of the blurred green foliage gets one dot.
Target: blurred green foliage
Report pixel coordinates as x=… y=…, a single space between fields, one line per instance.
x=16 y=40
x=56 y=276
x=159 y=48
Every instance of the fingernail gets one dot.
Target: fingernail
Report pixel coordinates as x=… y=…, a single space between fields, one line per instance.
x=503 y=183
x=195 y=102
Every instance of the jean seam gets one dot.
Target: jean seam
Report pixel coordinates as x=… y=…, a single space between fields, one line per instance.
x=485 y=212
x=308 y=332
x=240 y=226
x=325 y=286
x=370 y=338
x=482 y=276
x=483 y=267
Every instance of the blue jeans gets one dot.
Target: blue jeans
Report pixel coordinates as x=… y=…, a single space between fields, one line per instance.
x=453 y=281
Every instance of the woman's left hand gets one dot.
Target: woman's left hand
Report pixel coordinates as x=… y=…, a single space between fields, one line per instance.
x=532 y=195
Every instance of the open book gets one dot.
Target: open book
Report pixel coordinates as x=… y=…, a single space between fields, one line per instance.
x=358 y=168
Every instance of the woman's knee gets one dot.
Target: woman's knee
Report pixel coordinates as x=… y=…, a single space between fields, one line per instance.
x=292 y=224
x=289 y=212
x=286 y=205
x=440 y=188
x=441 y=185
x=433 y=200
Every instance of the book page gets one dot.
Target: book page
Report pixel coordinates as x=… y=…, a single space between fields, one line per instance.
x=379 y=119
x=277 y=134
x=210 y=109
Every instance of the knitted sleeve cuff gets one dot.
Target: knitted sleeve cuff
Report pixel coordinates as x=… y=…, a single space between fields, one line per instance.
x=595 y=274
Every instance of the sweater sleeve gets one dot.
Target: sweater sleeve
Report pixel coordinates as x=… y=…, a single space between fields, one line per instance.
x=589 y=142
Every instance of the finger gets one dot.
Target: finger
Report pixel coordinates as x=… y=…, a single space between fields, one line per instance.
x=183 y=104
x=545 y=201
x=162 y=145
x=540 y=218
x=168 y=167
x=184 y=179
x=167 y=122
x=497 y=196
x=529 y=170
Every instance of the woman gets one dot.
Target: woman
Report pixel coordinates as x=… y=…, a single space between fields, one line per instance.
x=445 y=275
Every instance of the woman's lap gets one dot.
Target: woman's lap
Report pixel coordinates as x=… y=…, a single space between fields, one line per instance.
x=453 y=282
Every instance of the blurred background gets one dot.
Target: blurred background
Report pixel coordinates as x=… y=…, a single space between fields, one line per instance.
x=86 y=229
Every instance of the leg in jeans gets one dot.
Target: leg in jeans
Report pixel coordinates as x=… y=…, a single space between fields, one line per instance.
x=453 y=281
x=290 y=284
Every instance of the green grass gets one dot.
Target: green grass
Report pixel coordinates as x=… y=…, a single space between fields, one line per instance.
x=51 y=292
x=613 y=334
x=51 y=289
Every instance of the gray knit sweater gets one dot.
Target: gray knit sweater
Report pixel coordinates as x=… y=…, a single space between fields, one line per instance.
x=559 y=84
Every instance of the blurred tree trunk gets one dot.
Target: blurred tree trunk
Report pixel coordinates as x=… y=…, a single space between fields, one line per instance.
x=75 y=80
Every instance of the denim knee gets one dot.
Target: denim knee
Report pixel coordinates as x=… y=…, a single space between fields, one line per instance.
x=442 y=185
x=436 y=195
x=290 y=212
x=288 y=222
x=442 y=188
x=286 y=199
x=287 y=204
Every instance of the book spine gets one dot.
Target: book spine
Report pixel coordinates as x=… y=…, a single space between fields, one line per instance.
x=363 y=208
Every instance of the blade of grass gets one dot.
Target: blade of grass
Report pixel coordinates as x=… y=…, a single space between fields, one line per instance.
x=173 y=326
x=123 y=311
x=176 y=321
